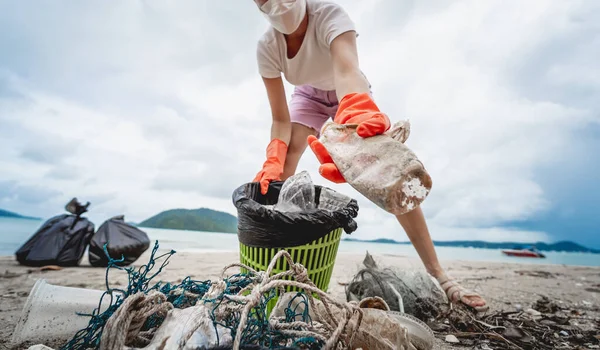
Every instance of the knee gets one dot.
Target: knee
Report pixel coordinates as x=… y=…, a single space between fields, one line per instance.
x=296 y=146
x=298 y=141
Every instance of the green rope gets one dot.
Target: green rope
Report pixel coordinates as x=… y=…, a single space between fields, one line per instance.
x=89 y=337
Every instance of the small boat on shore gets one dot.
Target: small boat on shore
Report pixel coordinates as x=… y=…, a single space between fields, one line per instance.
x=524 y=252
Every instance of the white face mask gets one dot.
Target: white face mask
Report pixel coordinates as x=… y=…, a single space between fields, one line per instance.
x=284 y=15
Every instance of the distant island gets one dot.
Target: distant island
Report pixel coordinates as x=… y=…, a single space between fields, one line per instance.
x=202 y=219
x=209 y=220
x=563 y=246
x=10 y=214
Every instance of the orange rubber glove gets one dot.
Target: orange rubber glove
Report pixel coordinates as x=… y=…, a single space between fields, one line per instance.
x=354 y=108
x=273 y=167
x=359 y=108
x=327 y=169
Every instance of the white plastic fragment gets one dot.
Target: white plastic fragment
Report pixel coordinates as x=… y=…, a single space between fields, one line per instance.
x=50 y=313
x=452 y=339
x=39 y=347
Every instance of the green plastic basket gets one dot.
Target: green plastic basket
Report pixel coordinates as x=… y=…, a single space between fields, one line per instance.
x=318 y=257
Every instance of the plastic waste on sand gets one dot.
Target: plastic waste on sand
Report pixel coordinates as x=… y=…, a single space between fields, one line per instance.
x=382 y=168
x=51 y=312
x=39 y=347
x=380 y=327
x=405 y=290
x=230 y=313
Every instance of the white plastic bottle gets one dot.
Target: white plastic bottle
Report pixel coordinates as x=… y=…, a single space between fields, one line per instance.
x=382 y=168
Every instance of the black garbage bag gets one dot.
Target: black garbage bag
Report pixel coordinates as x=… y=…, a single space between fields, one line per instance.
x=124 y=241
x=61 y=240
x=260 y=224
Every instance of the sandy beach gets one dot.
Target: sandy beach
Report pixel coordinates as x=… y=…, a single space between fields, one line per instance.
x=507 y=287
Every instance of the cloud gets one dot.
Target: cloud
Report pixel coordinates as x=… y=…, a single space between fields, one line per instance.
x=479 y=134
x=25 y=199
x=145 y=106
x=47 y=150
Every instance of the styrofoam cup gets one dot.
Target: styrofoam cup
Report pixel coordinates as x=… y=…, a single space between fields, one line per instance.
x=50 y=313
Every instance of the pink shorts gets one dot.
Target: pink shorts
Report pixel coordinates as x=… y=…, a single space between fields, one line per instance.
x=312 y=107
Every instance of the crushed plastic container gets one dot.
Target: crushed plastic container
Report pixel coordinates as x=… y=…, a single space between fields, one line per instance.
x=382 y=168
x=297 y=194
x=51 y=312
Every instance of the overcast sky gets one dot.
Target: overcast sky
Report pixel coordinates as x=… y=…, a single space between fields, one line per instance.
x=141 y=106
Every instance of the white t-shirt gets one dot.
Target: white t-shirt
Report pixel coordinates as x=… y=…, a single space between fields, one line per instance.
x=312 y=65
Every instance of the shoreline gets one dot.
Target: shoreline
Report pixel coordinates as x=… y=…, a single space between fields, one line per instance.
x=521 y=261
x=505 y=286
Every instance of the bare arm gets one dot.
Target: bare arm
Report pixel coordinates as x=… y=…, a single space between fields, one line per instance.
x=347 y=75
x=281 y=127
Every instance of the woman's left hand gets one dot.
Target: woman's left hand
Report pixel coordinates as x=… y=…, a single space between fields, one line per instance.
x=327 y=169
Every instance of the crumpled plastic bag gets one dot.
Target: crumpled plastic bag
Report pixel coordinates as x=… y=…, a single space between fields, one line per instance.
x=382 y=168
x=297 y=194
x=188 y=329
x=404 y=289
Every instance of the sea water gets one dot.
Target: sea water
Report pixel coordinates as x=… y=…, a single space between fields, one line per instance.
x=15 y=232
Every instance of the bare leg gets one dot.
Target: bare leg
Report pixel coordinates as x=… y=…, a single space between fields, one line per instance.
x=413 y=222
x=296 y=148
x=416 y=229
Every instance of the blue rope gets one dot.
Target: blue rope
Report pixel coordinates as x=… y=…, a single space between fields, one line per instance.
x=256 y=332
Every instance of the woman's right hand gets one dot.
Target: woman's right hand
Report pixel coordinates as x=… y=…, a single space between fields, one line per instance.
x=281 y=130
x=360 y=109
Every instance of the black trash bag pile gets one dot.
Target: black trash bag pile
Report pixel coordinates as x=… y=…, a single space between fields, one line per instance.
x=125 y=242
x=61 y=240
x=292 y=213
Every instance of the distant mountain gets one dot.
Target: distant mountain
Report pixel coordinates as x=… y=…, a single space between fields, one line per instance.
x=10 y=214
x=202 y=219
x=563 y=246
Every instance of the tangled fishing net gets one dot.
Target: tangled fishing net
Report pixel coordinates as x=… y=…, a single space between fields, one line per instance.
x=406 y=291
x=231 y=313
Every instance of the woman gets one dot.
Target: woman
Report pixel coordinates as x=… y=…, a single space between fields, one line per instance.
x=313 y=43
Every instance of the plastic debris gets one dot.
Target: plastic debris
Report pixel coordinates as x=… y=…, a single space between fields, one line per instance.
x=230 y=313
x=407 y=291
x=452 y=339
x=382 y=168
x=297 y=194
